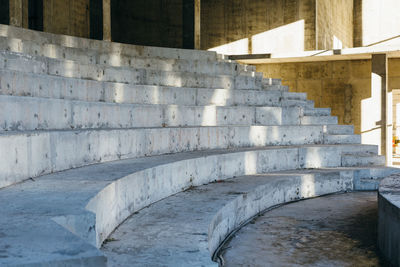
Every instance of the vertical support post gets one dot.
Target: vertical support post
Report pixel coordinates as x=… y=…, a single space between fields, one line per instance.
x=16 y=16
x=379 y=84
x=107 y=20
x=197 y=24
x=25 y=14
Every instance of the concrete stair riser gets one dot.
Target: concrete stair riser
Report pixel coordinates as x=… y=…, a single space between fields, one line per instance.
x=30 y=113
x=318 y=112
x=369 y=179
x=71 y=69
x=85 y=56
x=279 y=191
x=342 y=139
x=27 y=84
x=104 y=47
x=310 y=120
x=339 y=129
x=365 y=159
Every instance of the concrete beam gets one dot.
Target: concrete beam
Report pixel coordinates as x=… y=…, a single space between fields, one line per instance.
x=107 y=20
x=357 y=53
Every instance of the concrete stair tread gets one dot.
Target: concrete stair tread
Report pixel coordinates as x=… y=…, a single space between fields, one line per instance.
x=46 y=201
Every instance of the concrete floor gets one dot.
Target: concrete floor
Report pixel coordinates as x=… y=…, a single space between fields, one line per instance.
x=335 y=230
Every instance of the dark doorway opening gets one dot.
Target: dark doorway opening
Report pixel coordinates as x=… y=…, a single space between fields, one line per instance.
x=4 y=11
x=151 y=22
x=96 y=19
x=188 y=24
x=35 y=15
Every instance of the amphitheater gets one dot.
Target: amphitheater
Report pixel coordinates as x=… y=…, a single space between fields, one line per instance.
x=167 y=151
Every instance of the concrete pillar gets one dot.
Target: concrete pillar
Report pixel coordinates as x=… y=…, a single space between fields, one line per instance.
x=16 y=14
x=25 y=14
x=107 y=20
x=197 y=24
x=379 y=86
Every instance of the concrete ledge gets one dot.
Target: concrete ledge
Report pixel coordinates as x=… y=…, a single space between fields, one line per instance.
x=389 y=219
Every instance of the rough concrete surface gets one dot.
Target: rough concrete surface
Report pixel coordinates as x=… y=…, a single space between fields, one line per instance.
x=184 y=229
x=335 y=230
x=389 y=222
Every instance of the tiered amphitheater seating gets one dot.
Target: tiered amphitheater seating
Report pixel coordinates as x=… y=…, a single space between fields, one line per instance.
x=145 y=123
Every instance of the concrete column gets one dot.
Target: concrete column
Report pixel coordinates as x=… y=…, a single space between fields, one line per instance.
x=16 y=14
x=107 y=20
x=197 y=24
x=25 y=14
x=379 y=86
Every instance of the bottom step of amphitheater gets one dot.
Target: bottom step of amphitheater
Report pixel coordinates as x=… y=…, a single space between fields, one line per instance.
x=182 y=207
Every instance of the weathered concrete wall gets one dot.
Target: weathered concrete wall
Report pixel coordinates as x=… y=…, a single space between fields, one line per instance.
x=258 y=26
x=377 y=21
x=389 y=219
x=339 y=85
x=67 y=17
x=334 y=24
x=4 y=12
x=155 y=22
x=343 y=86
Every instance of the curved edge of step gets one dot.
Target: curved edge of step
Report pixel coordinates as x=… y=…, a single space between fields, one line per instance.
x=389 y=219
x=117 y=201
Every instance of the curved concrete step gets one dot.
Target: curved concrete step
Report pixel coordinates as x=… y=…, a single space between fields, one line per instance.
x=195 y=222
x=31 y=113
x=92 y=201
x=71 y=69
x=103 y=47
x=88 y=56
x=29 y=154
x=28 y=84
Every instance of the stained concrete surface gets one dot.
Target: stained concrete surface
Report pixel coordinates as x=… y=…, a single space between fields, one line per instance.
x=335 y=230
